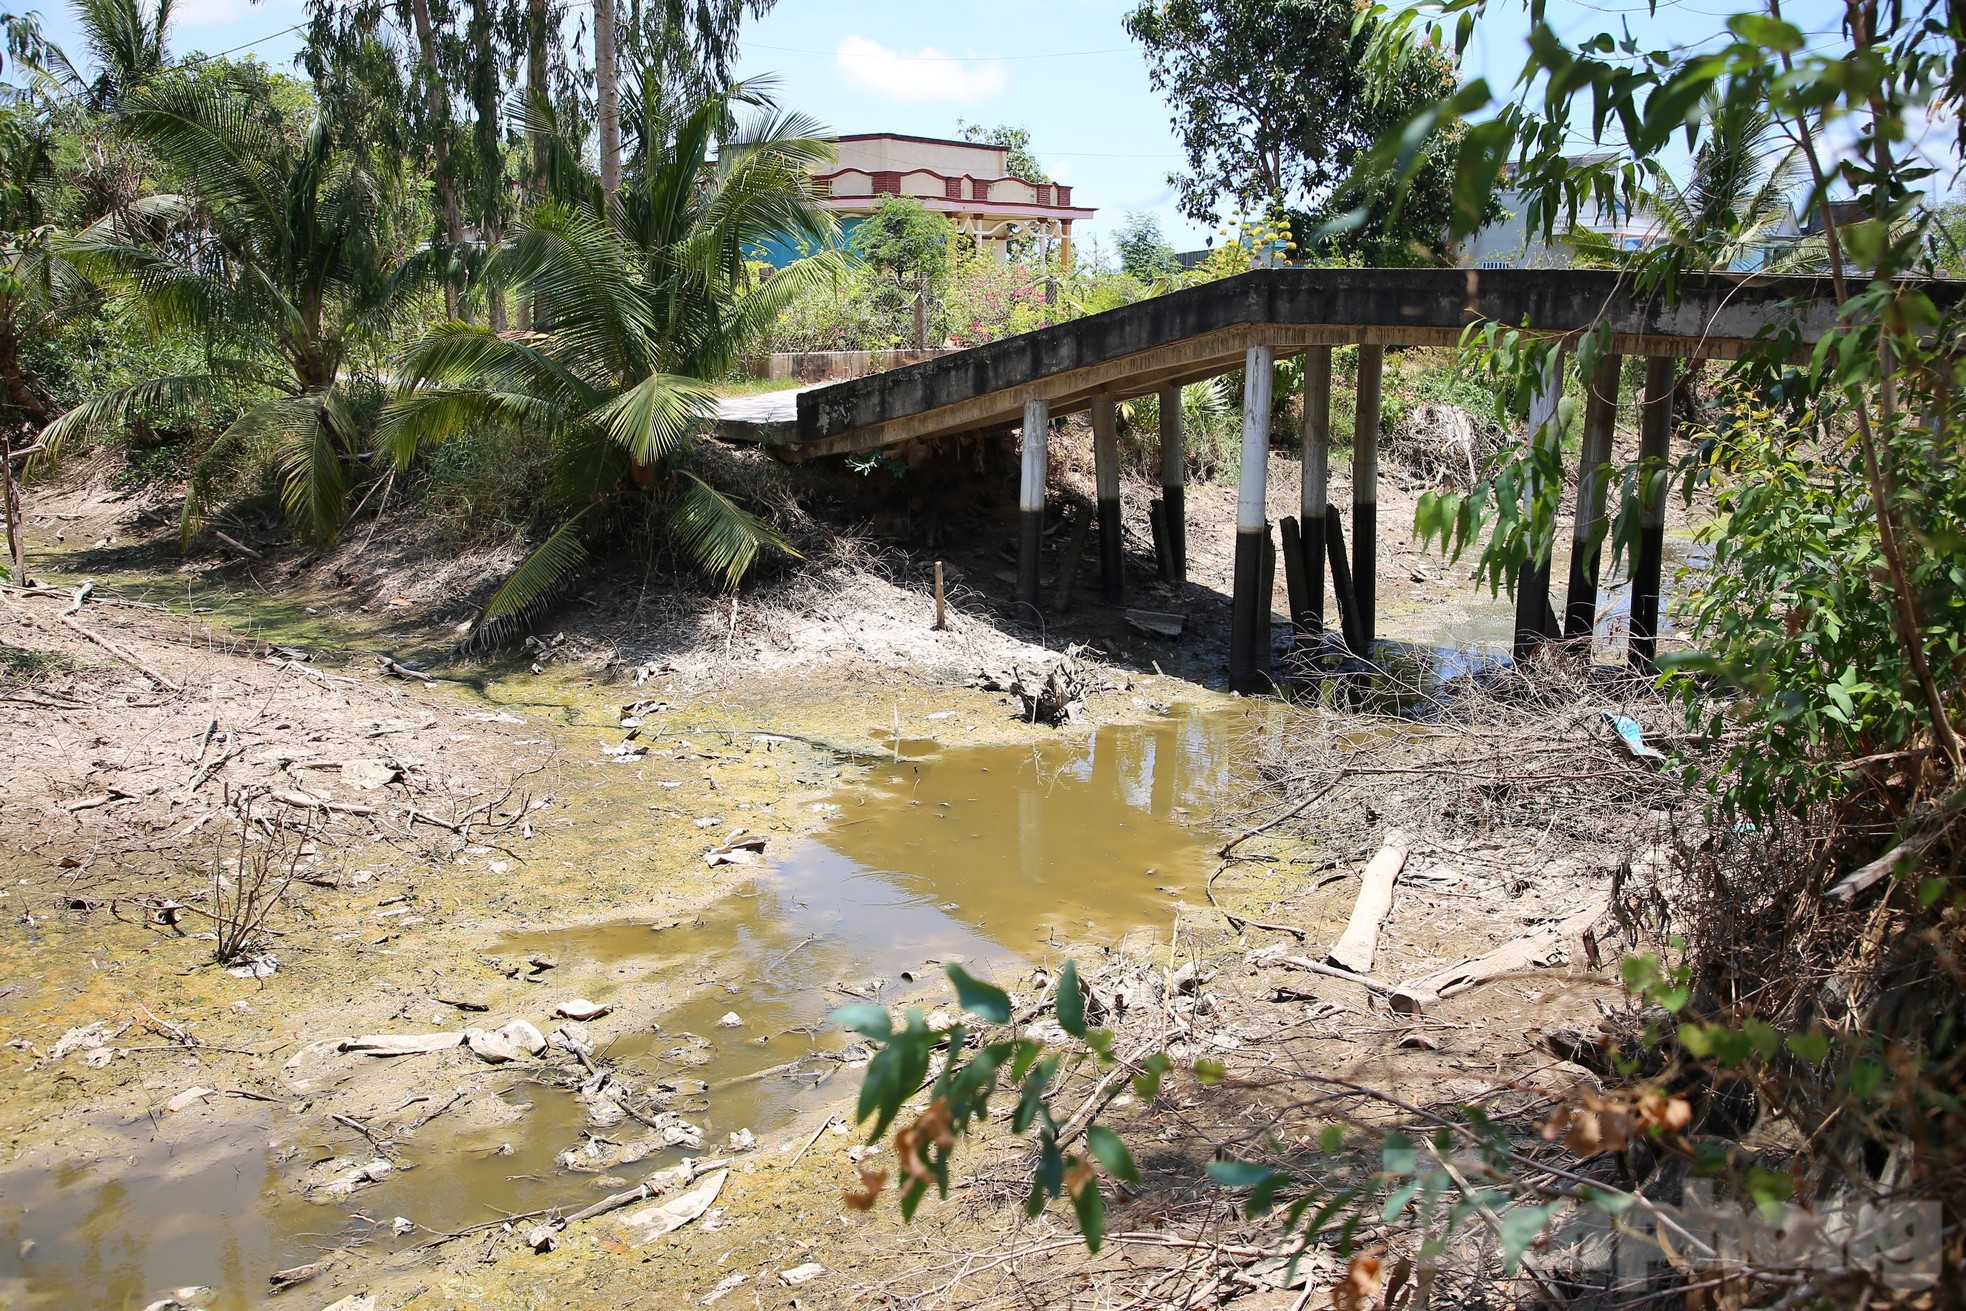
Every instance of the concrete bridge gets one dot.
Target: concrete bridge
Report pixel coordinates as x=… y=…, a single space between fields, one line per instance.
x=1248 y=323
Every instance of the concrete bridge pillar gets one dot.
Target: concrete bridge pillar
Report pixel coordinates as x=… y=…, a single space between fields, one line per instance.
x=1030 y=500
x=1316 y=492
x=1533 y=620
x=1365 y=495
x=1106 y=475
x=1174 y=482
x=1654 y=449
x=1249 y=667
x=1586 y=548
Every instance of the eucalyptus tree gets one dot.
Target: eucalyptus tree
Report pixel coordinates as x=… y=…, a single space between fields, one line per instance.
x=642 y=299
x=275 y=256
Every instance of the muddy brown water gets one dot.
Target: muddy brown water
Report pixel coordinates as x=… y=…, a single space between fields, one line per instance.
x=992 y=855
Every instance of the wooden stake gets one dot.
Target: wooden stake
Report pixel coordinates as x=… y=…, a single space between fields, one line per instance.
x=941 y=616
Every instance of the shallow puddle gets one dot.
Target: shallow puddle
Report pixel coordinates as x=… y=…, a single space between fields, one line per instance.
x=992 y=855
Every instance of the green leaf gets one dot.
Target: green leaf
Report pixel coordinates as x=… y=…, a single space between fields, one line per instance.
x=1210 y=1071
x=866 y=1019
x=1147 y=1083
x=1071 y=1001
x=979 y=998
x=1109 y=1151
x=1397 y=1155
x=1090 y=1206
x=1812 y=1047
x=1520 y=1228
x=1238 y=1174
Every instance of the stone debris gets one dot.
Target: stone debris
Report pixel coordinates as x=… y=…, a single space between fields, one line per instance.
x=728 y=1284
x=741 y=1140
x=256 y=967
x=579 y=1008
x=402 y=1226
x=188 y=1098
x=300 y=1274
x=88 y=1037
x=652 y=1222
x=541 y=1238
x=353 y=1302
x=515 y=1040
x=801 y=1274
x=368 y=775
x=730 y=1020
x=353 y=1180
x=742 y=849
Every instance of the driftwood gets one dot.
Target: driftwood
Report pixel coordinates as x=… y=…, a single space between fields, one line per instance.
x=307 y=801
x=402 y=1044
x=125 y=657
x=1530 y=950
x=75 y=602
x=396 y=669
x=237 y=545
x=1360 y=942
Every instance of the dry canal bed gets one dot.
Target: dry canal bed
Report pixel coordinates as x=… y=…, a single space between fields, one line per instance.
x=175 y=1128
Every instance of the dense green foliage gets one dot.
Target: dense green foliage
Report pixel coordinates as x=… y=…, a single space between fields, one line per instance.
x=1274 y=109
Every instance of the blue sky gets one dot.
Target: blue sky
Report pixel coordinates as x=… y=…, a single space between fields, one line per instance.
x=1064 y=69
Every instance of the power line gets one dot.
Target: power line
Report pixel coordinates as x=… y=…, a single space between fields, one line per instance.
x=939 y=59
x=203 y=54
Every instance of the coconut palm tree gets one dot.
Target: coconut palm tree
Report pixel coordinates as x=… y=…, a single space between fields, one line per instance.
x=273 y=257
x=641 y=298
x=1743 y=176
x=128 y=45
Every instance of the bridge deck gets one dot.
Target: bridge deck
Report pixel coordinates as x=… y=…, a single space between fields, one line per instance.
x=1203 y=331
x=1246 y=323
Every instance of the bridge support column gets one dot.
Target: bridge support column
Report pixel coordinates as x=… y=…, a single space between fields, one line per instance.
x=1315 y=494
x=1586 y=549
x=1532 y=587
x=1030 y=501
x=1654 y=449
x=1365 y=496
x=1106 y=475
x=1249 y=667
x=1174 y=482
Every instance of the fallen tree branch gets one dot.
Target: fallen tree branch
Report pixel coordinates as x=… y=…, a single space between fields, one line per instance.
x=117 y=651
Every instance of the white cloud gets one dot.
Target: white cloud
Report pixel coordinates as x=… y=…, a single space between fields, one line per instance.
x=927 y=74
x=1060 y=170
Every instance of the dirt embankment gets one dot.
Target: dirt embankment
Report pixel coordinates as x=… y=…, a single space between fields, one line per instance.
x=433 y=828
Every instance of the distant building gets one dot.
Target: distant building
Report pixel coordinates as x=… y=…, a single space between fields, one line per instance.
x=1508 y=244
x=967 y=181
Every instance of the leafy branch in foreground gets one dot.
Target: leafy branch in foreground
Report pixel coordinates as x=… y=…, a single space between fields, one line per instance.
x=1583 y=1193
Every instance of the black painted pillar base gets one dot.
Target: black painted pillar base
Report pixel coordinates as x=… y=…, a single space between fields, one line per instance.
x=1247 y=665
x=1174 y=510
x=1365 y=574
x=1645 y=597
x=1341 y=580
x=1030 y=544
x=1532 y=608
x=1112 y=553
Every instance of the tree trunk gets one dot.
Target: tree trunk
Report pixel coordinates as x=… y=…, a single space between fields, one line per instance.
x=541 y=96
x=921 y=311
x=17 y=573
x=490 y=152
x=438 y=106
x=607 y=87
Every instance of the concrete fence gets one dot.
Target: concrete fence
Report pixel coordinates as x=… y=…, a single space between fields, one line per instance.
x=831 y=366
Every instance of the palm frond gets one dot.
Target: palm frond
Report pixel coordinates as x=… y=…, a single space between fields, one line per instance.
x=539 y=580
x=721 y=537
x=113 y=410
x=652 y=419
